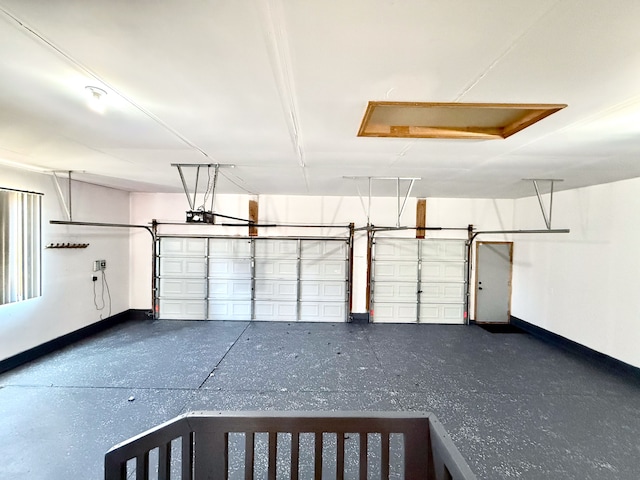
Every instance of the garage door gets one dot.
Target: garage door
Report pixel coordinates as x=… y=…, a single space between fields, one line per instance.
x=271 y=279
x=182 y=275
x=418 y=281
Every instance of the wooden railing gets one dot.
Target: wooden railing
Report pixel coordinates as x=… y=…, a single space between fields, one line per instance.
x=296 y=445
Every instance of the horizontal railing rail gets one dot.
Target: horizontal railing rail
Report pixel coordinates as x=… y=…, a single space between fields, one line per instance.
x=210 y=445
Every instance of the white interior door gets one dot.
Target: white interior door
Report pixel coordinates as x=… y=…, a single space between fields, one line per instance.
x=493 y=282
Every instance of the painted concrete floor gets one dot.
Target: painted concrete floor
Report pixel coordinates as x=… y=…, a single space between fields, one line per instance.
x=515 y=406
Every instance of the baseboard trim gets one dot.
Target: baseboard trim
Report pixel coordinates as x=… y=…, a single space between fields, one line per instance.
x=73 y=337
x=575 y=347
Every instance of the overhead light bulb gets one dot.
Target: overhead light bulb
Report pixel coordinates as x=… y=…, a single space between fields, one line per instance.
x=96 y=98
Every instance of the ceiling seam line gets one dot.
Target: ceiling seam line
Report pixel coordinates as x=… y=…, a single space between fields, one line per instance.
x=91 y=73
x=228 y=177
x=569 y=126
x=403 y=151
x=279 y=55
x=506 y=52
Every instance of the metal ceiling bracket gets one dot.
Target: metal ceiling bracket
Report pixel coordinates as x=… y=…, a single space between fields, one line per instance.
x=212 y=182
x=365 y=209
x=406 y=197
x=402 y=203
x=213 y=188
x=545 y=215
x=65 y=205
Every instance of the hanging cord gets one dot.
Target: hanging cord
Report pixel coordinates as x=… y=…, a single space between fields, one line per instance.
x=207 y=193
x=95 y=296
x=105 y=286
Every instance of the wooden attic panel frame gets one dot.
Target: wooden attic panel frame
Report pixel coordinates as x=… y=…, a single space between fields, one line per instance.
x=396 y=131
x=532 y=117
x=451 y=120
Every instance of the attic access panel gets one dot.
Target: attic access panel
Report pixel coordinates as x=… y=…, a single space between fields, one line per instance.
x=451 y=120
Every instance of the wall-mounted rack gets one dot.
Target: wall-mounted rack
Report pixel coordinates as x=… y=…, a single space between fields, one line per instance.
x=67 y=245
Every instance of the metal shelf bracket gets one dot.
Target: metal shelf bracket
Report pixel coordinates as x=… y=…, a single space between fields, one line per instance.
x=66 y=203
x=551 y=181
x=401 y=200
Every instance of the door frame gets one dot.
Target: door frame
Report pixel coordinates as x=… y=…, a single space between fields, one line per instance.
x=477 y=276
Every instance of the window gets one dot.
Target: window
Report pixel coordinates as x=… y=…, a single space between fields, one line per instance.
x=19 y=245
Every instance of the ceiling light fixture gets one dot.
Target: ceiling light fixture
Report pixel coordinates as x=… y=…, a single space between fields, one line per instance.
x=96 y=98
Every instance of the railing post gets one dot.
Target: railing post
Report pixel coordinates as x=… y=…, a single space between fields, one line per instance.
x=210 y=456
x=114 y=470
x=187 y=456
x=164 y=461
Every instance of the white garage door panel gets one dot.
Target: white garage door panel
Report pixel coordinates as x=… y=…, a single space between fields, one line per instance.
x=323 y=270
x=241 y=278
x=182 y=309
x=278 y=311
x=182 y=267
x=276 y=290
x=183 y=288
x=432 y=271
x=323 y=312
x=312 y=291
x=230 y=247
x=443 y=272
x=444 y=313
x=443 y=250
x=395 y=292
x=276 y=248
x=229 y=268
x=336 y=250
x=183 y=246
x=229 y=310
x=387 y=271
x=284 y=269
x=404 y=250
x=395 y=313
x=230 y=289
x=442 y=293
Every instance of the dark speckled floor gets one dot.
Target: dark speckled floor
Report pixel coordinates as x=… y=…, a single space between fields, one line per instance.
x=515 y=407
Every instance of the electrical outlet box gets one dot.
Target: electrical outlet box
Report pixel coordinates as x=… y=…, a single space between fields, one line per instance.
x=99 y=265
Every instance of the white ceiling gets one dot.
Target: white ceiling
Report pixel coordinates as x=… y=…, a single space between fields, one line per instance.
x=279 y=88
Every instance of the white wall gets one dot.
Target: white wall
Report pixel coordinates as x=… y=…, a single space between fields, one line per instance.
x=584 y=285
x=486 y=214
x=67 y=301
